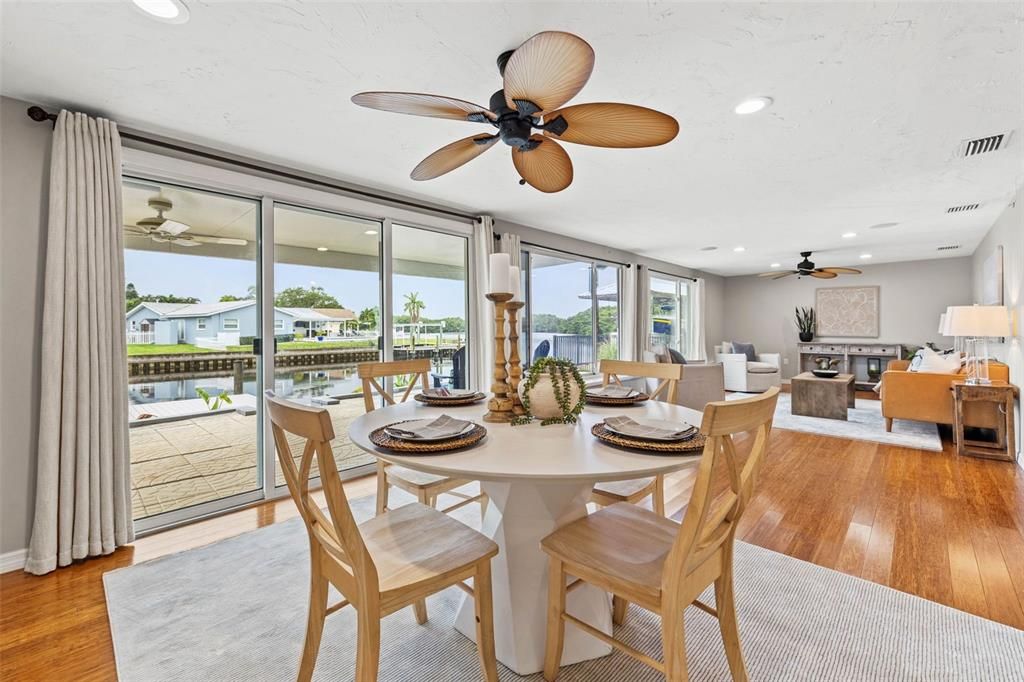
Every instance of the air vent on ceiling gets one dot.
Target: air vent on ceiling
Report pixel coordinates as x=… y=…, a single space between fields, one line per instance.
x=962 y=208
x=948 y=247
x=983 y=145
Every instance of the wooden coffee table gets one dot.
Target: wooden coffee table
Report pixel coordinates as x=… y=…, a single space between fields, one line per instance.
x=819 y=397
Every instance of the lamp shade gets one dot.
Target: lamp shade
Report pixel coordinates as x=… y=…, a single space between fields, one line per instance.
x=978 y=320
x=942 y=325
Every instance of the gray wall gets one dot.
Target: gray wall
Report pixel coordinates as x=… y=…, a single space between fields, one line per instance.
x=912 y=296
x=1008 y=232
x=714 y=285
x=24 y=177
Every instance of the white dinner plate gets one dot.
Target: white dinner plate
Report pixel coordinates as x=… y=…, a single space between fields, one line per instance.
x=420 y=423
x=658 y=424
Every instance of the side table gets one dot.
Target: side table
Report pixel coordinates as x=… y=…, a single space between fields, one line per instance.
x=1000 y=395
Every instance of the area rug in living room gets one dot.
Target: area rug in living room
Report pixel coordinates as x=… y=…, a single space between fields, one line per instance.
x=864 y=422
x=236 y=609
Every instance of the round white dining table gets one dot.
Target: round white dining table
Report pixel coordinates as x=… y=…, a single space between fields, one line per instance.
x=538 y=478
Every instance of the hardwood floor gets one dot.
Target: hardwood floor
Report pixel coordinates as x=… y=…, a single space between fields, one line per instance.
x=946 y=528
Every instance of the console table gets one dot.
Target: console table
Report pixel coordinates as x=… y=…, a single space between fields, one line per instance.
x=854 y=357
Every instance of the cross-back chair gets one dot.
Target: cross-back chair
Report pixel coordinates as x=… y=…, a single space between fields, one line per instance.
x=634 y=491
x=679 y=559
x=379 y=566
x=426 y=487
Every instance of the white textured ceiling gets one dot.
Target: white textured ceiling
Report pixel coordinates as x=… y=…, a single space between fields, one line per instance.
x=871 y=102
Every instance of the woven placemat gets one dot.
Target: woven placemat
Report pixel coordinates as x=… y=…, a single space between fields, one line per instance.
x=409 y=447
x=658 y=447
x=605 y=400
x=449 y=402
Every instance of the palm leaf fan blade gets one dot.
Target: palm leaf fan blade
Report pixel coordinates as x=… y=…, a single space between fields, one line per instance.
x=610 y=124
x=420 y=104
x=451 y=156
x=549 y=69
x=546 y=167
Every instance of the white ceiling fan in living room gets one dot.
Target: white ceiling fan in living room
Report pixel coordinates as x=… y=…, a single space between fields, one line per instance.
x=166 y=231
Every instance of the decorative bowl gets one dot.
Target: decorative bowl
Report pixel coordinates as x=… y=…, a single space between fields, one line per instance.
x=825 y=373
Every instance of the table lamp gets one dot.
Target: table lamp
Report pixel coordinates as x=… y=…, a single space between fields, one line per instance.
x=978 y=323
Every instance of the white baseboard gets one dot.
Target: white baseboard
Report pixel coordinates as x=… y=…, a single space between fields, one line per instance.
x=13 y=561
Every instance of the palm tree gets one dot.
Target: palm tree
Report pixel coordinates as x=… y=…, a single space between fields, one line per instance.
x=413 y=306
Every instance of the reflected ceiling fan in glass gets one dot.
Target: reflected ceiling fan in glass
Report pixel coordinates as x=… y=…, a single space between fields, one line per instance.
x=539 y=78
x=163 y=230
x=806 y=268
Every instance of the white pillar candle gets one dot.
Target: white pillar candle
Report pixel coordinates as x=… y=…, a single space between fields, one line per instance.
x=513 y=283
x=499 y=267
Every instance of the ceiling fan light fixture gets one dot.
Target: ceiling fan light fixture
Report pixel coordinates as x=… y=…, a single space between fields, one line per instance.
x=753 y=105
x=168 y=11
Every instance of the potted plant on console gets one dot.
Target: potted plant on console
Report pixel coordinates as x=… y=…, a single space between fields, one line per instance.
x=805 y=323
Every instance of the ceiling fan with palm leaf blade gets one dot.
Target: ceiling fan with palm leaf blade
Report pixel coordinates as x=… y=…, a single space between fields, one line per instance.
x=806 y=268
x=166 y=231
x=539 y=78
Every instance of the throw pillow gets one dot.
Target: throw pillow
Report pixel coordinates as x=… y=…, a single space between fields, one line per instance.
x=745 y=349
x=939 y=364
x=915 y=362
x=661 y=354
x=726 y=347
x=676 y=356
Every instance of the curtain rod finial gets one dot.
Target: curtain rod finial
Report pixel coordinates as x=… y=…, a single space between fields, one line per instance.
x=39 y=114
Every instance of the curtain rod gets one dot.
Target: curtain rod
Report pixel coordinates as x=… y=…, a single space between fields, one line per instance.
x=570 y=253
x=669 y=274
x=39 y=114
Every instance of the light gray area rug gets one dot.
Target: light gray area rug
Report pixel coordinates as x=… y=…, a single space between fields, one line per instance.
x=865 y=422
x=236 y=610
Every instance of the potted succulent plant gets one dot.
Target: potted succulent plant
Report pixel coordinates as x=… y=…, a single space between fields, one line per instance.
x=553 y=391
x=805 y=323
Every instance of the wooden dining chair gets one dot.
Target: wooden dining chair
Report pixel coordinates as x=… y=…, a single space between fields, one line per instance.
x=662 y=565
x=426 y=487
x=379 y=566
x=639 y=489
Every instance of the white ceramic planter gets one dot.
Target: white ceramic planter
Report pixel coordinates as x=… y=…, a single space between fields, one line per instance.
x=543 y=404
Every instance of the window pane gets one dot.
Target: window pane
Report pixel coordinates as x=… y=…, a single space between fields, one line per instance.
x=326 y=321
x=607 y=312
x=190 y=292
x=430 y=302
x=664 y=313
x=561 y=315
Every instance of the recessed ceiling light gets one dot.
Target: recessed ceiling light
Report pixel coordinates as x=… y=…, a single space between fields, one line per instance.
x=171 y=11
x=753 y=105
x=776 y=265
x=882 y=226
x=739 y=249
x=849 y=235
x=865 y=256
x=321 y=248
x=709 y=248
x=370 y=232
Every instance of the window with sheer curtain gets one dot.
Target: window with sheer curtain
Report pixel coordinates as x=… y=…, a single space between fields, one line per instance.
x=671 y=313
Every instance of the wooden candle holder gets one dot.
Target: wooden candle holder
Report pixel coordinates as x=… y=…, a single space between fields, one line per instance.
x=515 y=368
x=499 y=407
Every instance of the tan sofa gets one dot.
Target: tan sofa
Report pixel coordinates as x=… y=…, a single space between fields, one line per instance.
x=701 y=384
x=926 y=396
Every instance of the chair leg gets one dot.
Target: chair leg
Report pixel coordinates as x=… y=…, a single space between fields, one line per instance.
x=619 y=606
x=556 y=626
x=315 y=618
x=725 y=604
x=367 y=645
x=420 y=607
x=673 y=643
x=382 y=488
x=659 y=495
x=485 y=621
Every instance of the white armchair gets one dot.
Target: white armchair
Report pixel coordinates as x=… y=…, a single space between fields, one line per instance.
x=749 y=377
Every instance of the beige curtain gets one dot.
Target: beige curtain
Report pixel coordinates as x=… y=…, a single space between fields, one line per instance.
x=698 y=347
x=83 y=494
x=482 y=334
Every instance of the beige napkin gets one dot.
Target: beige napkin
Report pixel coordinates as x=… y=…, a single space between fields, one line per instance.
x=630 y=427
x=448 y=393
x=613 y=391
x=442 y=427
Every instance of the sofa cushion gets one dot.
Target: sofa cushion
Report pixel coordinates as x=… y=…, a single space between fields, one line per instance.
x=745 y=349
x=676 y=357
x=761 y=368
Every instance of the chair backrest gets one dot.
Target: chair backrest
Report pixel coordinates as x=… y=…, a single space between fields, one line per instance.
x=670 y=374
x=370 y=372
x=335 y=538
x=541 y=351
x=459 y=368
x=710 y=521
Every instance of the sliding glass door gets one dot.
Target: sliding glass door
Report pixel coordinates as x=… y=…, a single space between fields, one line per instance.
x=671 y=316
x=234 y=286
x=192 y=309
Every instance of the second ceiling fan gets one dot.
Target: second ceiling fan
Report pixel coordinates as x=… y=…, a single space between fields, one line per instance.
x=539 y=77
x=806 y=268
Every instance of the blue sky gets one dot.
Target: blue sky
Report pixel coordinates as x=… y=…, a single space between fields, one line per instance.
x=555 y=289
